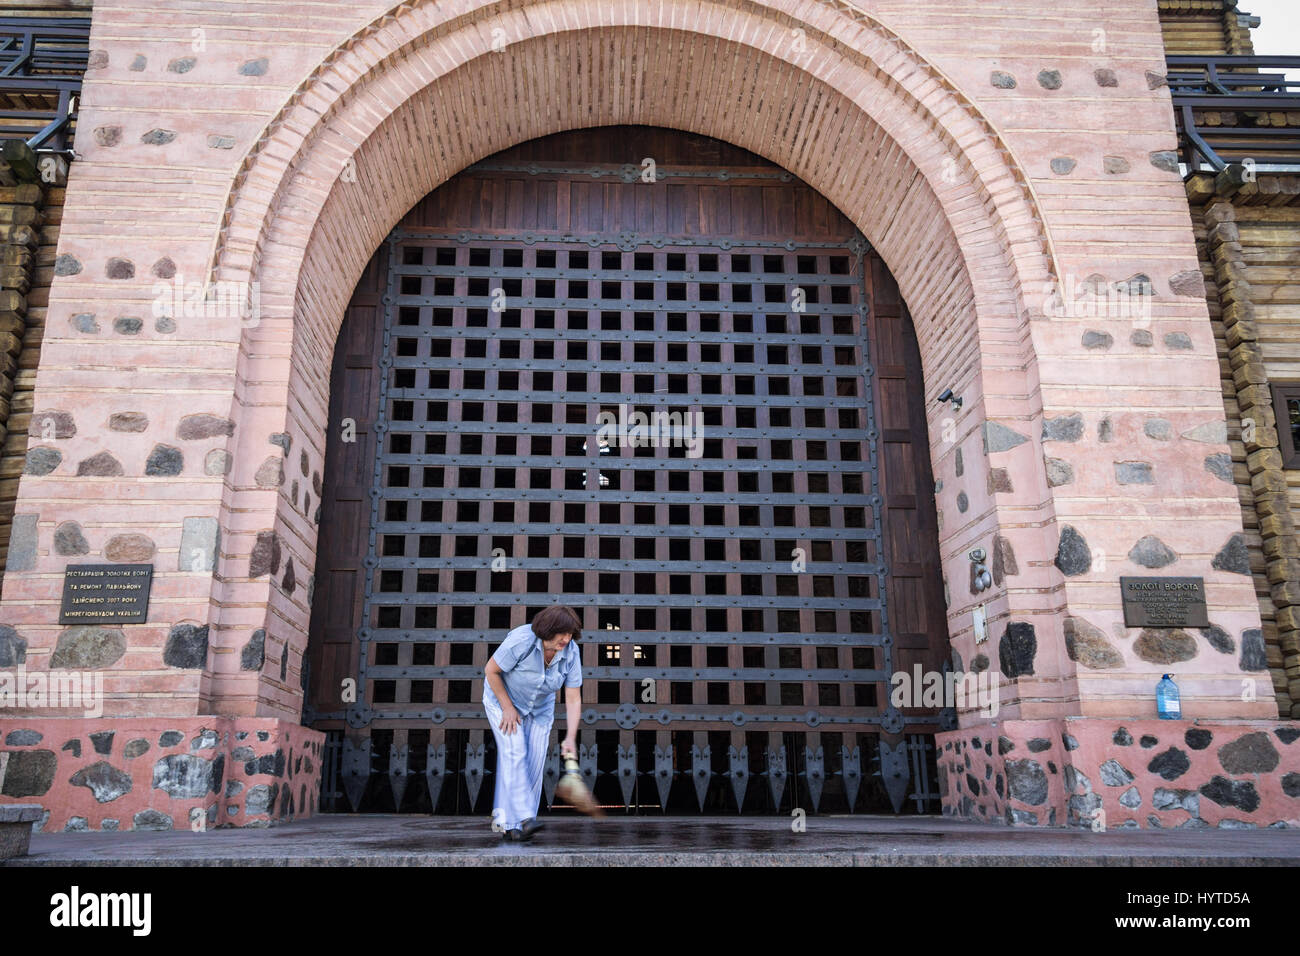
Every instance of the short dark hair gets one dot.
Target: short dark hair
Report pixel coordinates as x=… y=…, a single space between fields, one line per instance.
x=557 y=619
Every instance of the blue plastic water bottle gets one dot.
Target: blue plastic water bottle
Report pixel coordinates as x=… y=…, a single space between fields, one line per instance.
x=1167 y=703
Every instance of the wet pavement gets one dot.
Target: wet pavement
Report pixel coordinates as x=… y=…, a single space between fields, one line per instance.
x=406 y=840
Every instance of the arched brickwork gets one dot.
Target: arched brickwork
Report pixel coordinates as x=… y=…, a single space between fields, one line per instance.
x=420 y=94
x=959 y=211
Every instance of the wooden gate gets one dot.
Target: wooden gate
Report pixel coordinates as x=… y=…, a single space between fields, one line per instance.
x=751 y=567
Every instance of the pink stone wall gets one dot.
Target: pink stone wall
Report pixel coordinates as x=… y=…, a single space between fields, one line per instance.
x=991 y=165
x=1133 y=774
x=159 y=773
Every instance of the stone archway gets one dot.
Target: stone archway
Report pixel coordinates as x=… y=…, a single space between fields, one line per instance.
x=417 y=96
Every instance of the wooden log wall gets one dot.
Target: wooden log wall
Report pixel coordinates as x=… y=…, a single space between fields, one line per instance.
x=1203 y=27
x=1249 y=242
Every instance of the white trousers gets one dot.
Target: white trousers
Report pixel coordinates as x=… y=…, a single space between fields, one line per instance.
x=521 y=760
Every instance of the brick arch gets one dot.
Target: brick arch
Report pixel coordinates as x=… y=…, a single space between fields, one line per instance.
x=419 y=95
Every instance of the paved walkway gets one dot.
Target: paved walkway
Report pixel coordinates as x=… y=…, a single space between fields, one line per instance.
x=391 y=840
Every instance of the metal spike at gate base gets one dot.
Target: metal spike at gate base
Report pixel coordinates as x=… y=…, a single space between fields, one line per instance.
x=551 y=774
x=700 y=772
x=851 y=774
x=397 y=773
x=663 y=774
x=893 y=772
x=356 y=770
x=587 y=759
x=739 y=774
x=627 y=773
x=435 y=769
x=474 y=773
x=776 y=774
x=814 y=774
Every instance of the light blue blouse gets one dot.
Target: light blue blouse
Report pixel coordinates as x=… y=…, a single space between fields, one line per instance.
x=531 y=684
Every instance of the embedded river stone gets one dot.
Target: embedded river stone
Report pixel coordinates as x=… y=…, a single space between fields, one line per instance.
x=1167 y=160
x=1164 y=646
x=183 y=776
x=151 y=820
x=187 y=646
x=270 y=474
x=42 y=461
x=102 y=465
x=129 y=549
x=1001 y=80
x=1066 y=428
x=1004 y=559
x=1151 y=552
x=253 y=655
x=1210 y=433
x=196 y=427
x=1159 y=429
x=1232 y=793
x=164 y=461
x=1059 y=472
x=68 y=539
x=1198 y=738
x=1254 y=657
x=1220 y=466
x=88 y=646
x=999 y=438
x=170 y=738
x=128 y=421
x=1219 y=639
x=29 y=773
x=1165 y=799
x=23 y=738
x=135 y=748
x=217 y=462
x=1171 y=764
x=1252 y=753
x=265 y=558
x=1134 y=473
x=1027 y=782
x=105 y=781
x=1087 y=645
x=1016 y=650
x=1073 y=556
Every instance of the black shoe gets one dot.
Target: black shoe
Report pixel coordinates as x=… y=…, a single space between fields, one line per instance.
x=530 y=827
x=513 y=836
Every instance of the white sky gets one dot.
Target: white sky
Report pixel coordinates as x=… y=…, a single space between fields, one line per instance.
x=1279 y=31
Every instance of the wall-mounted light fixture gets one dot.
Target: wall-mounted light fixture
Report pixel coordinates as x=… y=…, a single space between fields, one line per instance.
x=948 y=396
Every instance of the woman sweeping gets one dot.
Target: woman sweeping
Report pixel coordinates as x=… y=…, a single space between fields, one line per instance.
x=519 y=688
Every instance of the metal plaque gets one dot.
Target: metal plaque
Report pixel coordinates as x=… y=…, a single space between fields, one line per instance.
x=1164 y=602
x=105 y=593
